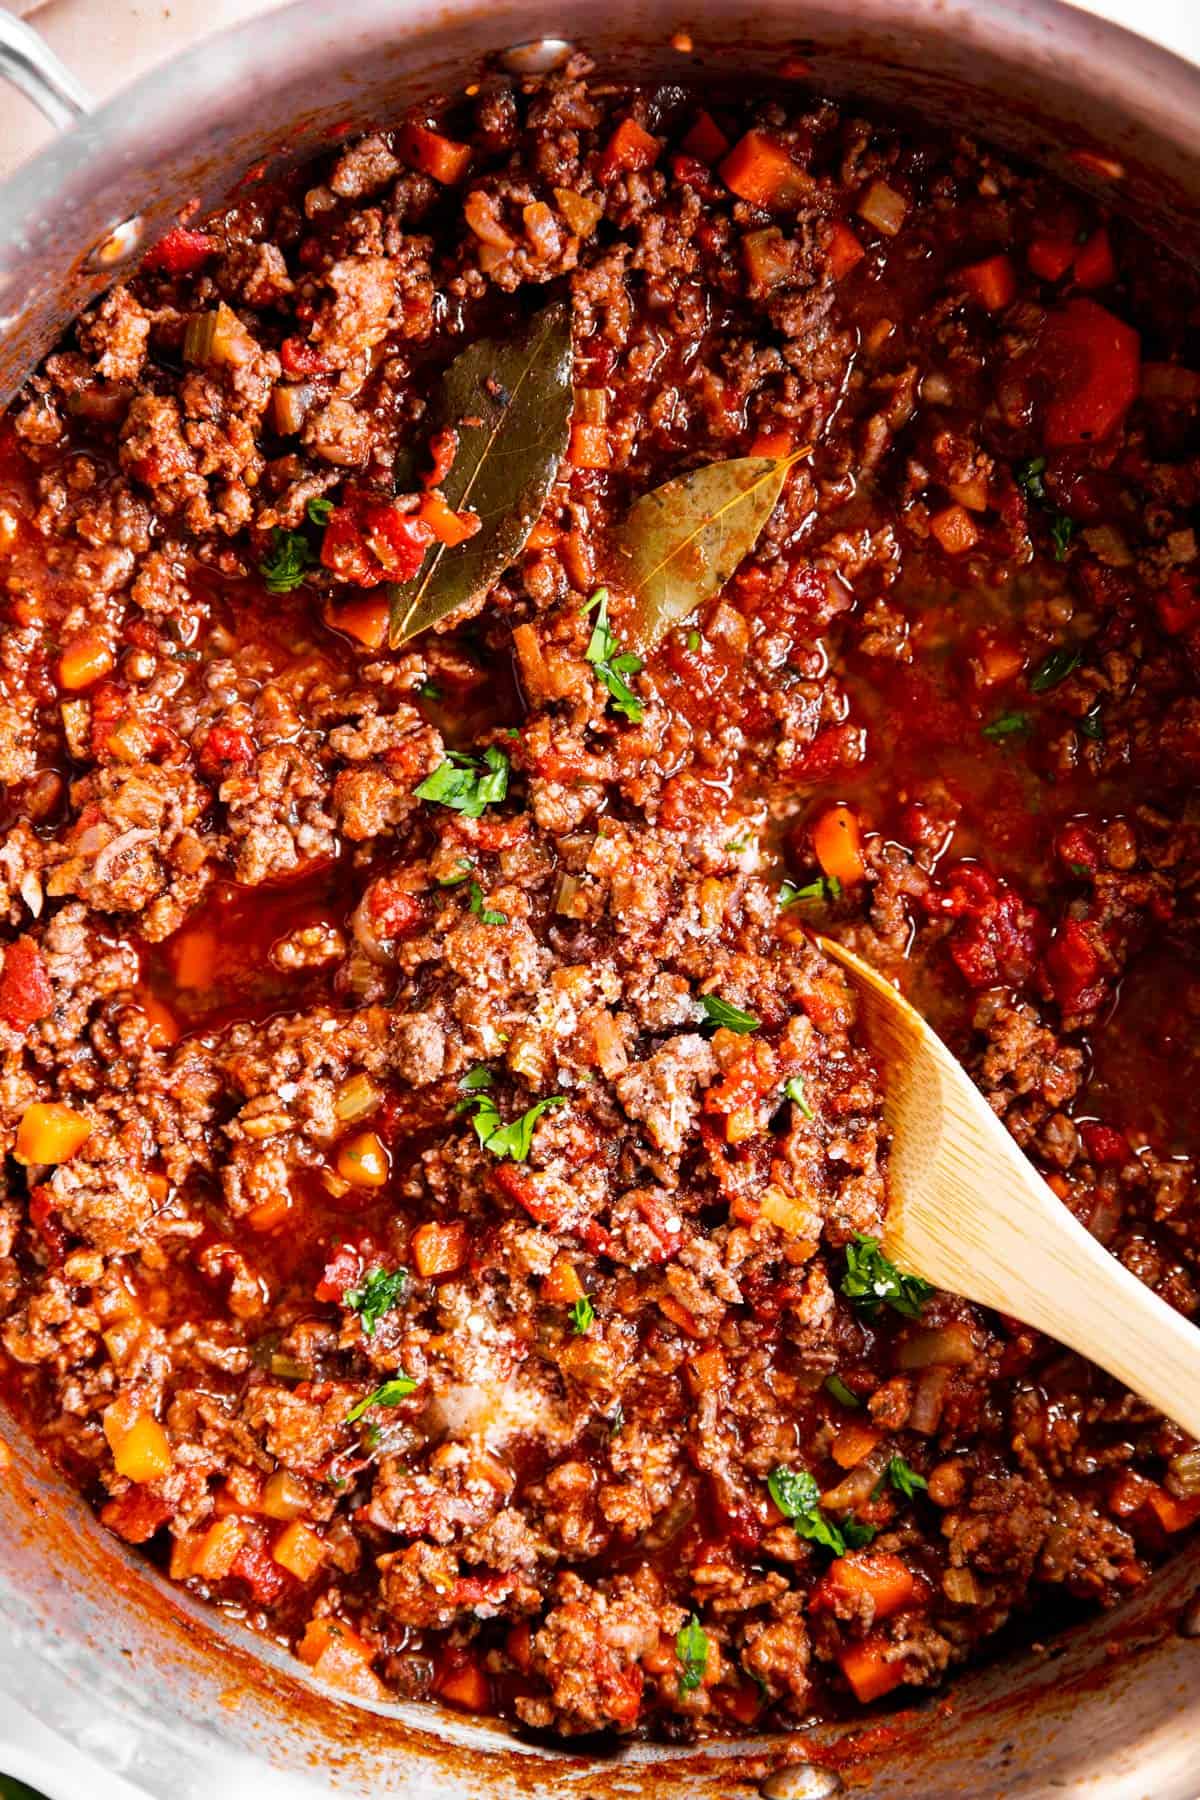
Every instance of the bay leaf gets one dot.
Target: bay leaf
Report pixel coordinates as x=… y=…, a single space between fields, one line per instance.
x=679 y=545
x=510 y=403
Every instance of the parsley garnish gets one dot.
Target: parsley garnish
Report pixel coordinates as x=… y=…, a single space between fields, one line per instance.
x=1062 y=530
x=822 y=890
x=856 y=1534
x=1028 y=477
x=514 y=1139
x=478 y=1077
x=287 y=562
x=793 y=1087
x=1009 y=724
x=467 y=784
x=798 y=1498
x=390 y=1394
x=721 y=1012
x=693 y=640
x=836 y=1386
x=616 y=1420
x=319 y=512
x=691 y=1651
x=872 y=1278
x=582 y=1316
x=612 y=669
x=429 y=690
x=1053 y=669
x=904 y=1477
x=483 y=912
x=1092 y=724
x=378 y=1294
x=464 y=869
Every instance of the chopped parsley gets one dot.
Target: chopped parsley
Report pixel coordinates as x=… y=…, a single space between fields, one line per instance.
x=391 y=1393
x=1092 y=724
x=429 y=690
x=836 y=1386
x=1053 y=669
x=379 y=1292
x=871 y=1278
x=582 y=1316
x=287 y=562
x=319 y=512
x=691 y=1653
x=904 y=1478
x=1079 y=869
x=467 y=784
x=514 y=1139
x=476 y=1079
x=1062 y=530
x=1009 y=724
x=1029 y=477
x=611 y=664
x=486 y=913
x=793 y=1087
x=857 y=1534
x=693 y=640
x=721 y=1012
x=798 y=1498
x=456 y=880
x=821 y=891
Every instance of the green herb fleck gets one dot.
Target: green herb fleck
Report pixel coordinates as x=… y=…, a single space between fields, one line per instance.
x=319 y=512
x=1053 y=669
x=735 y=846
x=389 y=1394
x=514 y=1139
x=721 y=1012
x=798 y=1498
x=611 y=669
x=821 y=891
x=857 y=1534
x=582 y=1316
x=1028 y=476
x=467 y=784
x=872 y=1278
x=1009 y=724
x=464 y=869
x=429 y=690
x=616 y=1420
x=476 y=1079
x=1062 y=530
x=1080 y=869
x=691 y=1652
x=693 y=640
x=836 y=1386
x=488 y=915
x=380 y=1291
x=1092 y=724
x=793 y=1087
x=904 y=1477
x=287 y=562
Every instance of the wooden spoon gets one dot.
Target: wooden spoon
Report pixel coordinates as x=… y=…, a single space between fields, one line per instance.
x=969 y=1213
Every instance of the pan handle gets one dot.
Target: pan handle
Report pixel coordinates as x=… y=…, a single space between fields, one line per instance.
x=28 y=62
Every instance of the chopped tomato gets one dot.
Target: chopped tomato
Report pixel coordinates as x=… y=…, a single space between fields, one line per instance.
x=181 y=252
x=300 y=358
x=1050 y=258
x=25 y=991
x=992 y=283
x=368 y=540
x=1094 y=264
x=223 y=749
x=706 y=141
x=1105 y=1146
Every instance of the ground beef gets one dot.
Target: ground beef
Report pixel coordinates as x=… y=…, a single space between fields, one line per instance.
x=428 y=1211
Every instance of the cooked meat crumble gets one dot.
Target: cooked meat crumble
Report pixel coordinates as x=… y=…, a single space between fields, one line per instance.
x=445 y=1178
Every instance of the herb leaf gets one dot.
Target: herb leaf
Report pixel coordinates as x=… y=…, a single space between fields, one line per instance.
x=820 y=891
x=510 y=404
x=798 y=1498
x=467 y=784
x=514 y=1139
x=582 y=1316
x=477 y=1079
x=1028 y=477
x=486 y=913
x=380 y=1291
x=872 y=1278
x=723 y=1012
x=1009 y=724
x=682 y=542
x=389 y=1394
x=1053 y=669
x=1092 y=724
x=319 y=512
x=287 y=562
x=1062 y=530
x=610 y=669
x=836 y=1386
x=691 y=1653
x=904 y=1477
x=793 y=1087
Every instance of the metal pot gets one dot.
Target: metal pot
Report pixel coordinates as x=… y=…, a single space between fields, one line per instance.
x=118 y=1661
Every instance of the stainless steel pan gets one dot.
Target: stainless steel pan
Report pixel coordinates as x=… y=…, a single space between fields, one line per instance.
x=143 y=1679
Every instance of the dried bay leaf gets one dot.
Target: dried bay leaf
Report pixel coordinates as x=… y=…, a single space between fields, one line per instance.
x=679 y=545
x=510 y=404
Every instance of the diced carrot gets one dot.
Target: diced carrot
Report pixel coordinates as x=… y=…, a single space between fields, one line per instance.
x=270 y=1213
x=83 y=661
x=629 y=147
x=785 y=1211
x=323 y=1634
x=364 y=620
x=161 y=1028
x=466 y=1686
x=740 y=1124
x=954 y=529
x=434 y=154
x=869 y=1671
x=1095 y=266
x=845 y=250
x=971 y=493
x=138 y=1442
x=216 y=1553
x=837 y=844
x=448 y=527
x=992 y=282
x=562 y=1286
x=195 y=958
x=49 y=1132
x=853 y=1443
x=888 y=1582
x=706 y=141
x=1050 y=258
x=299 y=1550
x=519 y=1645
x=1173 y=1514
x=1092 y=363
x=679 y=1315
x=743 y=1703
x=439 y=1248
x=777 y=442
x=363 y=1160
x=707 y=1369
x=589 y=447
x=763 y=172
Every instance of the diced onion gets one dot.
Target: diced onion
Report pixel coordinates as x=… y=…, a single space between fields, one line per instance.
x=928 y=1399
x=961 y=1586
x=356 y=1098
x=1183 y=1474
x=949 y=1346
x=882 y=207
